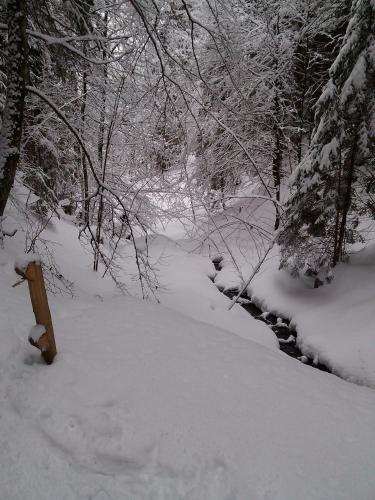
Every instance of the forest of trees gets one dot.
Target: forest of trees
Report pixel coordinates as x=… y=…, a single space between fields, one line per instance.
x=103 y=103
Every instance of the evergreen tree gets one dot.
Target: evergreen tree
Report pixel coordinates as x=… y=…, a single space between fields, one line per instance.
x=319 y=30
x=333 y=184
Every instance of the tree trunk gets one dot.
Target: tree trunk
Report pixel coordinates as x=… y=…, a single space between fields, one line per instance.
x=277 y=121
x=338 y=213
x=302 y=102
x=85 y=179
x=101 y=161
x=278 y=157
x=17 y=73
x=346 y=201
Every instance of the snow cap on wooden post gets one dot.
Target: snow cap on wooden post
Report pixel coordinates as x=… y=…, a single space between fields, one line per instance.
x=41 y=335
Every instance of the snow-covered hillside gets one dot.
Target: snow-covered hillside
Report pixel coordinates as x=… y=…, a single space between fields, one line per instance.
x=334 y=322
x=152 y=402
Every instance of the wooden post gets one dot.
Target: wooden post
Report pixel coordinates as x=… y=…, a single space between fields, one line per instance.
x=34 y=276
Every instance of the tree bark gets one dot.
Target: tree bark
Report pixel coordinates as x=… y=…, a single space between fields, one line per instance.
x=278 y=156
x=85 y=178
x=346 y=201
x=102 y=164
x=13 y=115
x=277 y=121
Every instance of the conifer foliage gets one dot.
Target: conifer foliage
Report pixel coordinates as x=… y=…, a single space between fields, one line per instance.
x=333 y=185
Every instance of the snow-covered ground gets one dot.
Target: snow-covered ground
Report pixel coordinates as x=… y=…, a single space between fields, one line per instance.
x=334 y=322
x=187 y=288
x=178 y=400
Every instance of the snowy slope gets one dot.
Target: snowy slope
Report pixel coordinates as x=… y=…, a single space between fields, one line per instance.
x=186 y=287
x=335 y=323
x=144 y=402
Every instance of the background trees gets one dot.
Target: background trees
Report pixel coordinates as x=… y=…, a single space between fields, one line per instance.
x=111 y=110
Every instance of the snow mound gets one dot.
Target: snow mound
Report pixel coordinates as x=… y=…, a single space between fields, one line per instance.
x=36 y=332
x=145 y=403
x=334 y=322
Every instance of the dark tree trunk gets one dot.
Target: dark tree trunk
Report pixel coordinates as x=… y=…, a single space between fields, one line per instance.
x=277 y=131
x=338 y=215
x=101 y=161
x=278 y=157
x=302 y=80
x=84 y=27
x=17 y=73
x=345 y=202
x=85 y=179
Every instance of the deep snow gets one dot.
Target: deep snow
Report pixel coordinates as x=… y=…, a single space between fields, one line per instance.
x=146 y=401
x=334 y=322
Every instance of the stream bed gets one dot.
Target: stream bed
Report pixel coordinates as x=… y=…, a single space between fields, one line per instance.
x=285 y=333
